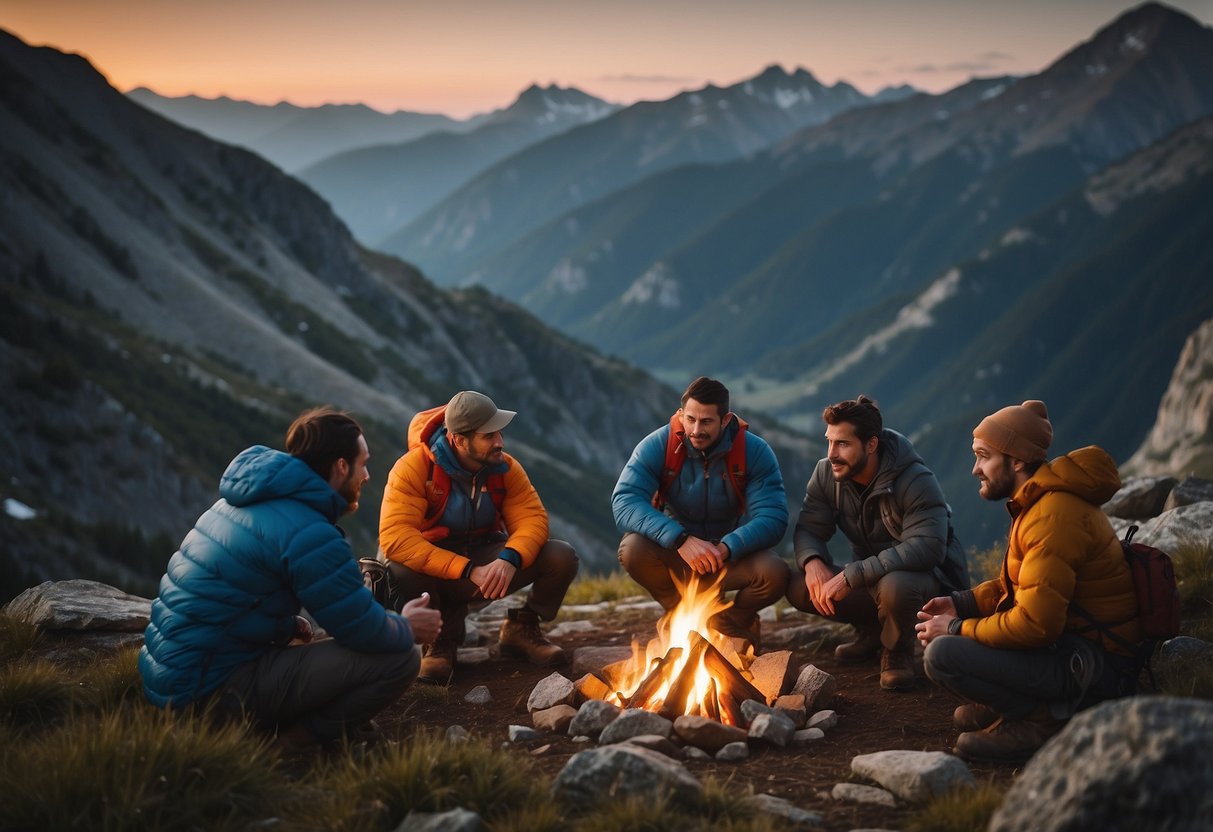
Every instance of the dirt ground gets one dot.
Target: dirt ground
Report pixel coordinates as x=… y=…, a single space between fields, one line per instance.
x=869 y=720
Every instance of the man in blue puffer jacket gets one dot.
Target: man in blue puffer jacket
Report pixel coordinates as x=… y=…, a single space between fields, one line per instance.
x=228 y=606
x=705 y=521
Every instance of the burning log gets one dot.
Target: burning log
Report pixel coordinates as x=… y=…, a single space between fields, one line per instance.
x=680 y=688
x=654 y=681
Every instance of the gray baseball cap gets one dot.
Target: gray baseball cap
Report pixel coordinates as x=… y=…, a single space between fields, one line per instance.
x=472 y=412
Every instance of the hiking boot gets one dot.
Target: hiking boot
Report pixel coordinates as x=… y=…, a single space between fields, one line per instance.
x=437 y=662
x=897 y=669
x=866 y=646
x=748 y=633
x=520 y=636
x=1007 y=740
x=973 y=717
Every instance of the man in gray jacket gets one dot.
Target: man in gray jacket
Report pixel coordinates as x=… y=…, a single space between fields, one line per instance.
x=874 y=487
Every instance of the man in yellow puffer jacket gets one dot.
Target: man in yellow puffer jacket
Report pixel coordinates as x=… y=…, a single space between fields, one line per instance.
x=1014 y=646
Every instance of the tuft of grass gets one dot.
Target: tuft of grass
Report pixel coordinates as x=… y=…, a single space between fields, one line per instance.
x=140 y=768
x=1193 y=561
x=427 y=774
x=17 y=638
x=34 y=695
x=1193 y=679
x=594 y=589
x=960 y=810
x=109 y=682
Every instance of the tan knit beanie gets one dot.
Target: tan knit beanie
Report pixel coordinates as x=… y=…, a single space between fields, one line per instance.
x=1022 y=431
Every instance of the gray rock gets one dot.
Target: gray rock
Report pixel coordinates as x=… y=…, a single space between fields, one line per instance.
x=457 y=734
x=1189 y=491
x=786 y=810
x=555 y=719
x=914 y=776
x=455 y=820
x=632 y=723
x=568 y=628
x=690 y=752
x=594 y=659
x=816 y=686
x=859 y=793
x=751 y=709
x=1140 y=498
x=1183 y=525
x=80 y=605
x=521 y=733
x=592 y=717
x=808 y=735
x=775 y=728
x=733 y=752
x=551 y=691
x=474 y=655
x=707 y=734
x=622 y=771
x=1185 y=652
x=804 y=635
x=478 y=695
x=825 y=720
x=88 y=645
x=1135 y=763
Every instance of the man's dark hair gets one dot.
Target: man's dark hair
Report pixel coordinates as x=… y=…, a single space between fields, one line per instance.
x=862 y=413
x=321 y=436
x=708 y=391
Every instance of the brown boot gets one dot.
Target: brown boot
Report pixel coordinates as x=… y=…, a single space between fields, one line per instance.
x=437 y=662
x=897 y=669
x=520 y=636
x=865 y=646
x=1007 y=740
x=973 y=717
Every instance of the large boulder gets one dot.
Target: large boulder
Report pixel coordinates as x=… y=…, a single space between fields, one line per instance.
x=1136 y=763
x=80 y=605
x=619 y=771
x=1186 y=524
x=1140 y=497
x=915 y=776
x=1189 y=491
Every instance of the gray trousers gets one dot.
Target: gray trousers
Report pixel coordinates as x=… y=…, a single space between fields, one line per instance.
x=549 y=577
x=892 y=604
x=760 y=578
x=1069 y=674
x=329 y=689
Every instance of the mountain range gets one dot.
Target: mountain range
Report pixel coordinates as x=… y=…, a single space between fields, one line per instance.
x=171 y=300
x=943 y=253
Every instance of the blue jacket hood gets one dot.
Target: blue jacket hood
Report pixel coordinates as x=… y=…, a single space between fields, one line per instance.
x=259 y=474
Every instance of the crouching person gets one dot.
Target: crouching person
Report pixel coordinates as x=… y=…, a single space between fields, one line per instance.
x=1017 y=647
x=462 y=522
x=225 y=618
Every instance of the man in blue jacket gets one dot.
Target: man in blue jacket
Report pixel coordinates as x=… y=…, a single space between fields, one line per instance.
x=225 y=624
x=689 y=504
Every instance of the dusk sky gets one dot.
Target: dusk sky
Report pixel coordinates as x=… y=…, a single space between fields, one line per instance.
x=465 y=56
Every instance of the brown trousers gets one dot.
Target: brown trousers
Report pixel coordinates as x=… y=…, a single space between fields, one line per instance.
x=549 y=577
x=760 y=578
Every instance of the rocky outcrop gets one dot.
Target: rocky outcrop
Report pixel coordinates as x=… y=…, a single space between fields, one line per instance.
x=1138 y=763
x=1181 y=440
x=80 y=605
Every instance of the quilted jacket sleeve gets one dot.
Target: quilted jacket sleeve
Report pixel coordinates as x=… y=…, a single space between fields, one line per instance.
x=402 y=518
x=526 y=520
x=766 y=503
x=632 y=500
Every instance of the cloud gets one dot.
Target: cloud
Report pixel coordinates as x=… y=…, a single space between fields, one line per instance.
x=630 y=78
x=985 y=62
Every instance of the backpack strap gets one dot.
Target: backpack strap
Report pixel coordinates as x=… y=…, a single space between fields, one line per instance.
x=676 y=455
x=438 y=492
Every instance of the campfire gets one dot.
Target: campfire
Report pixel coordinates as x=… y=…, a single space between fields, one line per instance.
x=689 y=668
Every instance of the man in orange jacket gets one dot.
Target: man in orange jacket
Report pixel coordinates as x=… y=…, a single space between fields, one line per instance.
x=462 y=521
x=1015 y=646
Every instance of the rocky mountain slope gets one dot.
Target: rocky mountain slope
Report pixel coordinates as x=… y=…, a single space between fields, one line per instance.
x=171 y=300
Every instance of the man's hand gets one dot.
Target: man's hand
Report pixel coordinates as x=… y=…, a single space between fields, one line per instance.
x=493 y=578
x=824 y=586
x=425 y=623
x=934 y=618
x=303 y=631
x=704 y=557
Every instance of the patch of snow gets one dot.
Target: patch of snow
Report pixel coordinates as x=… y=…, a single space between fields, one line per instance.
x=18 y=510
x=993 y=92
x=657 y=285
x=722 y=104
x=568 y=277
x=940 y=115
x=696 y=120
x=915 y=315
x=787 y=99
x=1133 y=41
x=695 y=99
x=1096 y=69
x=748 y=89
x=1015 y=236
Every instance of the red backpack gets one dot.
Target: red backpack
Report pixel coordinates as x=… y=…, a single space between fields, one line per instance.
x=675 y=456
x=438 y=485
